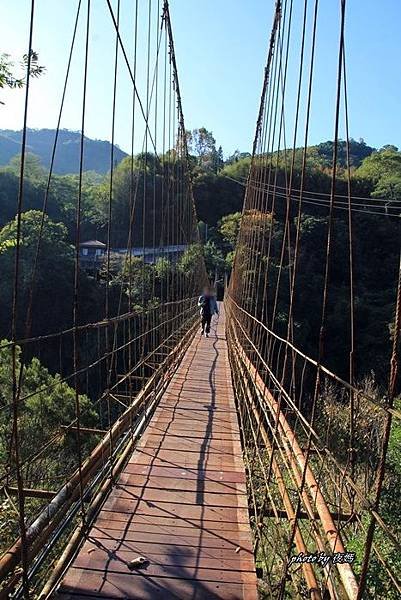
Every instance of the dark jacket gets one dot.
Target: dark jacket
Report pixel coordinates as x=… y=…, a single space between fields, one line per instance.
x=208 y=305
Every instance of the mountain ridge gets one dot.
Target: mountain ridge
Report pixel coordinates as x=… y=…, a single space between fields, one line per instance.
x=40 y=142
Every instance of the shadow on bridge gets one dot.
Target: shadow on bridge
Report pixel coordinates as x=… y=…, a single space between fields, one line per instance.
x=181 y=499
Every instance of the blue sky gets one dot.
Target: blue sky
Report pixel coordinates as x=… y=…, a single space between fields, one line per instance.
x=221 y=50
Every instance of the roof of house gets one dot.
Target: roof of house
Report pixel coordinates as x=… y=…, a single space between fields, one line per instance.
x=93 y=244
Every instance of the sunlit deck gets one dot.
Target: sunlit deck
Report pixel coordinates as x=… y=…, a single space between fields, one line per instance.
x=181 y=500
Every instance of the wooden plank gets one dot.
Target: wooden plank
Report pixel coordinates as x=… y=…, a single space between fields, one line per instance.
x=221 y=409
x=181 y=500
x=198 y=416
x=182 y=484
x=182 y=393
x=197 y=434
x=183 y=458
x=180 y=536
x=179 y=444
x=174 y=442
x=130 y=582
x=117 y=585
x=197 y=426
x=178 y=472
x=216 y=528
x=164 y=559
x=153 y=495
x=183 y=511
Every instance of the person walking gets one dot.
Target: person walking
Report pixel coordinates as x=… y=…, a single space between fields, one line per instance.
x=208 y=307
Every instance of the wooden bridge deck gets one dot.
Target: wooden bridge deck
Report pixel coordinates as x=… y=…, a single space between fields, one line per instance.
x=181 y=500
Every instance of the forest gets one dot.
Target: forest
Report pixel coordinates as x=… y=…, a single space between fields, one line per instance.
x=218 y=186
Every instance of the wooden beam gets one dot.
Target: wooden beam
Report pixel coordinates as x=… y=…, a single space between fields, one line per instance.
x=31 y=493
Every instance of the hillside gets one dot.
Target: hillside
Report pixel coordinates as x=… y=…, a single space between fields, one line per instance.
x=358 y=151
x=40 y=142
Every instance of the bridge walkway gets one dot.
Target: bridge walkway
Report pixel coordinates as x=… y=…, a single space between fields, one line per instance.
x=181 y=500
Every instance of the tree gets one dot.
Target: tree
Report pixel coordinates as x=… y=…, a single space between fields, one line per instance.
x=216 y=196
x=49 y=404
x=383 y=169
x=214 y=260
x=45 y=410
x=131 y=275
x=358 y=151
x=239 y=168
x=189 y=261
x=144 y=185
x=202 y=143
x=33 y=168
x=7 y=77
x=229 y=228
x=54 y=272
x=217 y=160
x=53 y=285
x=390 y=147
x=236 y=156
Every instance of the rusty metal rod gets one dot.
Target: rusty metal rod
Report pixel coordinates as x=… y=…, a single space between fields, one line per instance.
x=333 y=536
x=307 y=568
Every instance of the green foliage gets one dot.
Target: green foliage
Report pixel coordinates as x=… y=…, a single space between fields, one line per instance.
x=219 y=201
x=202 y=143
x=53 y=282
x=214 y=260
x=133 y=195
x=229 y=260
x=379 y=585
x=383 y=169
x=212 y=255
x=62 y=197
x=190 y=260
x=236 y=156
x=162 y=268
x=133 y=277
x=238 y=169
x=229 y=228
x=216 y=196
x=323 y=153
x=7 y=76
x=368 y=434
x=47 y=403
x=33 y=168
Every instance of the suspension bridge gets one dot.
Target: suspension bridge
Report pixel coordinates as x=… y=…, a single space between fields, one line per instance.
x=192 y=467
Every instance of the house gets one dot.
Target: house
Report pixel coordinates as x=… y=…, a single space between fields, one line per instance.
x=92 y=251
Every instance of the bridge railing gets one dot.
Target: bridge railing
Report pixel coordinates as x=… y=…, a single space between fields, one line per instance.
x=309 y=491
x=71 y=498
